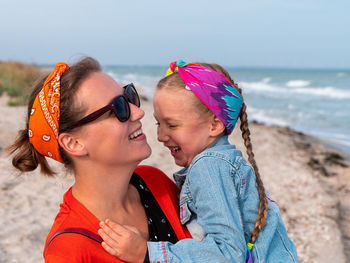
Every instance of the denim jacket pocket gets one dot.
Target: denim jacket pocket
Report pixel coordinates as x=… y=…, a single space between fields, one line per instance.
x=185 y=213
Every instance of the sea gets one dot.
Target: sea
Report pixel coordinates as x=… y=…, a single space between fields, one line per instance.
x=315 y=102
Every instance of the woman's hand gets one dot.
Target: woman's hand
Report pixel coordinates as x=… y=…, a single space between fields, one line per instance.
x=123 y=241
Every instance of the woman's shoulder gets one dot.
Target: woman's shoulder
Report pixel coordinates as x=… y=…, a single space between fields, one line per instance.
x=65 y=243
x=71 y=247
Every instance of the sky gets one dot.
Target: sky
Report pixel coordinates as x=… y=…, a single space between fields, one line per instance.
x=254 y=33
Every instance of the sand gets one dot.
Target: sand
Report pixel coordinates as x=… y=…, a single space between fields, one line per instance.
x=309 y=181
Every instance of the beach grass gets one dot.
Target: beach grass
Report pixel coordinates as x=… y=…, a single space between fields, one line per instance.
x=17 y=79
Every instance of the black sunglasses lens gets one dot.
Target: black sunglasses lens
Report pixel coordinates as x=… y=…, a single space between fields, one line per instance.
x=131 y=93
x=121 y=109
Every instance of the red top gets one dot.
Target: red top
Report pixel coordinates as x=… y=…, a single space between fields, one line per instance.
x=74 y=248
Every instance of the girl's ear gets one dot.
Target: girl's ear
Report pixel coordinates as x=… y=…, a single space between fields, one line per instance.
x=217 y=127
x=72 y=145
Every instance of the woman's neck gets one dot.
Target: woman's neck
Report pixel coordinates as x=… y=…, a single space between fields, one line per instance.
x=106 y=192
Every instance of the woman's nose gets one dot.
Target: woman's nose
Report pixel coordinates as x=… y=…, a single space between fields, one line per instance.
x=135 y=112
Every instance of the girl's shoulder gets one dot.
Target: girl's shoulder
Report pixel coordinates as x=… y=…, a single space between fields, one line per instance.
x=223 y=160
x=225 y=154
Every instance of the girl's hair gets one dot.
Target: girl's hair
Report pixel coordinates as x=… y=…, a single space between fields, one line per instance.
x=174 y=81
x=26 y=158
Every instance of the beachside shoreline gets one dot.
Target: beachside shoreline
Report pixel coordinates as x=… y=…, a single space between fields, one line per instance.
x=309 y=180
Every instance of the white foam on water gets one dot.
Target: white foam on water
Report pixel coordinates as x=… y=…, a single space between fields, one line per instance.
x=298 y=83
x=298 y=88
x=341 y=139
x=266 y=80
x=329 y=91
x=144 y=82
x=266 y=117
x=260 y=86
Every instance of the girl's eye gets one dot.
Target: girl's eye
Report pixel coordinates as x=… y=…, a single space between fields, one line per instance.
x=157 y=123
x=172 y=125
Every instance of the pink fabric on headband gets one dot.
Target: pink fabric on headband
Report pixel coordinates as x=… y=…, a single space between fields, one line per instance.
x=213 y=89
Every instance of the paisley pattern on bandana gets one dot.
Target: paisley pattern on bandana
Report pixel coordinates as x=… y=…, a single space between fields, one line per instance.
x=213 y=89
x=44 y=117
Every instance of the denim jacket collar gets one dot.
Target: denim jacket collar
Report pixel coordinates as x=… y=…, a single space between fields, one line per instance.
x=180 y=176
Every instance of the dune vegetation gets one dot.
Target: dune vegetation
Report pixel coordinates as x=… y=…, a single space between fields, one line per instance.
x=16 y=80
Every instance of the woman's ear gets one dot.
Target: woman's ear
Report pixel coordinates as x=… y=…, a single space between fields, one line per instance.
x=72 y=145
x=217 y=127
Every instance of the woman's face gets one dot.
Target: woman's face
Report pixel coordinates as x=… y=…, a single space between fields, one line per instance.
x=181 y=127
x=107 y=140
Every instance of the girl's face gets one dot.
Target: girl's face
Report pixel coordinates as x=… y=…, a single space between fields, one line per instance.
x=107 y=140
x=181 y=126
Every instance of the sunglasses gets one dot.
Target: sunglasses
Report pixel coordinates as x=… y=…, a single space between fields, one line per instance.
x=119 y=106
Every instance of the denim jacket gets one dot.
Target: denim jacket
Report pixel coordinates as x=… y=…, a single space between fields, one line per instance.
x=220 y=197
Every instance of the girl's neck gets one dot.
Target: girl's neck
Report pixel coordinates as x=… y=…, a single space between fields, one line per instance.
x=106 y=191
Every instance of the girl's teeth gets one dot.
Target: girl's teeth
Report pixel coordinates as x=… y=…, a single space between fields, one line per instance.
x=175 y=149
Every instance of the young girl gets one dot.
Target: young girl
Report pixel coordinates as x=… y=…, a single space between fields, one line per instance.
x=222 y=201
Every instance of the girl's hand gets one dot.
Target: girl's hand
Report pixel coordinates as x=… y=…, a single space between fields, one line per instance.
x=122 y=241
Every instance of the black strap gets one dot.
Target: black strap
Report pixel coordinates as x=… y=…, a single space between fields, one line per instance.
x=75 y=230
x=84 y=232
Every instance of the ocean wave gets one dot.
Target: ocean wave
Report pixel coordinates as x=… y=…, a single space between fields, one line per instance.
x=266 y=117
x=260 y=86
x=266 y=80
x=298 y=83
x=326 y=92
x=263 y=87
x=341 y=74
x=340 y=138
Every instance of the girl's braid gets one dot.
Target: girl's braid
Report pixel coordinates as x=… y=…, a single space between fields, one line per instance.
x=263 y=204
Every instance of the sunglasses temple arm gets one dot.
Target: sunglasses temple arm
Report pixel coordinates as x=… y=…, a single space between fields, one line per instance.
x=93 y=116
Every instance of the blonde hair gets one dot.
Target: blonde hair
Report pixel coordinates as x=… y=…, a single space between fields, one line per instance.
x=174 y=81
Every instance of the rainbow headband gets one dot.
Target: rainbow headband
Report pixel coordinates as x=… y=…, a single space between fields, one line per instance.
x=213 y=89
x=45 y=114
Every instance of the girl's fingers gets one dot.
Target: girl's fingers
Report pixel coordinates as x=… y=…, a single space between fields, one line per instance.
x=108 y=239
x=116 y=228
x=114 y=232
x=109 y=249
x=132 y=229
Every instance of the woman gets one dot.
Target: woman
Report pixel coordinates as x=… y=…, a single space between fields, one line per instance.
x=81 y=117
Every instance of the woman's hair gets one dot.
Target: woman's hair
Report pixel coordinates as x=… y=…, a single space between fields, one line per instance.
x=174 y=81
x=26 y=158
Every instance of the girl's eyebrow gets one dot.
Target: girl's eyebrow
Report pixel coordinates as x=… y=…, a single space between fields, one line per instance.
x=166 y=119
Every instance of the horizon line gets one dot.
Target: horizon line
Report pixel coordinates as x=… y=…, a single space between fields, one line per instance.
x=225 y=66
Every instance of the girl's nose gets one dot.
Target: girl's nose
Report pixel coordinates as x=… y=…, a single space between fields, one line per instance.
x=161 y=135
x=135 y=112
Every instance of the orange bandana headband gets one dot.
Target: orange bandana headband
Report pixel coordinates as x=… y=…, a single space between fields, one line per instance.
x=45 y=115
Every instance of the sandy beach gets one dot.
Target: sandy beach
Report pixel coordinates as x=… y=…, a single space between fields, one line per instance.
x=309 y=181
